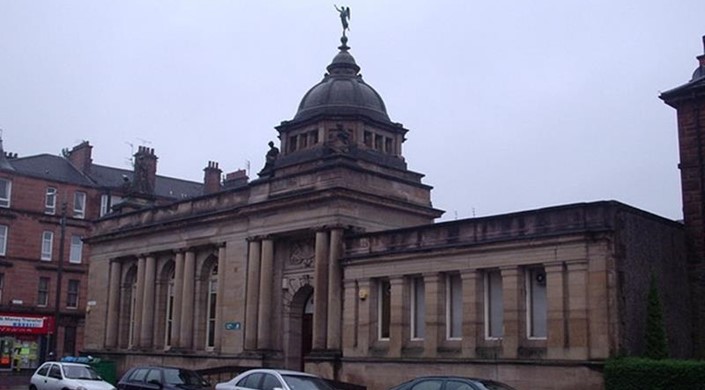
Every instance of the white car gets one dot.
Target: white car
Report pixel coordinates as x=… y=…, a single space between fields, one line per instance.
x=267 y=379
x=70 y=376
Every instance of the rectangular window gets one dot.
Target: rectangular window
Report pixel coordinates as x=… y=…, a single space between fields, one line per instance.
x=367 y=139
x=107 y=202
x=494 y=306
x=536 y=302
x=418 y=308
x=5 y=192
x=47 y=244
x=303 y=141
x=50 y=201
x=43 y=291
x=383 y=309
x=76 y=249
x=2 y=284
x=292 y=143
x=79 y=205
x=3 y=240
x=72 y=294
x=454 y=307
x=313 y=136
x=212 y=299
x=378 y=142
x=169 y=312
x=387 y=145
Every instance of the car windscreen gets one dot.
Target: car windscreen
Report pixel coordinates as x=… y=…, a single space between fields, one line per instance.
x=492 y=385
x=300 y=382
x=80 y=372
x=175 y=376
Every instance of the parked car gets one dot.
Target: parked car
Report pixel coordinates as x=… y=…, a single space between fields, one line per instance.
x=451 y=383
x=69 y=376
x=268 y=379
x=161 y=378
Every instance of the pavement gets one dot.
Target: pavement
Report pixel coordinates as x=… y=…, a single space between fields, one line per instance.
x=15 y=381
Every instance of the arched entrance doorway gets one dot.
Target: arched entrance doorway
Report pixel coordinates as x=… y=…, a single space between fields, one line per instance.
x=299 y=328
x=307 y=329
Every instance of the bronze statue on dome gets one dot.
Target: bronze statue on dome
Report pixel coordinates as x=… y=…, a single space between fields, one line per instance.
x=344 y=16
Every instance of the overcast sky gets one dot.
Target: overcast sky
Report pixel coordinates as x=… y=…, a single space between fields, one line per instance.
x=510 y=105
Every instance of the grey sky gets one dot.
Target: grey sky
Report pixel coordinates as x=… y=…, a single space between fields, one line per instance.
x=511 y=105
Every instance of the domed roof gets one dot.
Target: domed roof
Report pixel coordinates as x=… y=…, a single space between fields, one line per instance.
x=342 y=92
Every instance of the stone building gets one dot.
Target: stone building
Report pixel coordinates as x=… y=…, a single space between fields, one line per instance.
x=330 y=262
x=47 y=207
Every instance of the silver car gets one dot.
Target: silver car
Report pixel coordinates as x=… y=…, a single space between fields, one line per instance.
x=267 y=379
x=70 y=376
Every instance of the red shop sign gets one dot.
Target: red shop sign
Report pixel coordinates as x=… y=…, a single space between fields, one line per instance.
x=26 y=324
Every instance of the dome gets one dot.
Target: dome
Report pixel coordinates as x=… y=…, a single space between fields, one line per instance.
x=342 y=92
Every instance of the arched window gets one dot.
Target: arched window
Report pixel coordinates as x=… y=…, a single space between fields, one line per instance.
x=212 y=302
x=169 y=315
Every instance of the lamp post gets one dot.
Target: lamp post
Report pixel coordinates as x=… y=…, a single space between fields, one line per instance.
x=59 y=274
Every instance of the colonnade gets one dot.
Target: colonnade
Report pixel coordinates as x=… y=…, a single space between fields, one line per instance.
x=143 y=315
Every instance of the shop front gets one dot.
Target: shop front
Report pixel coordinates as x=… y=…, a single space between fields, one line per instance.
x=23 y=340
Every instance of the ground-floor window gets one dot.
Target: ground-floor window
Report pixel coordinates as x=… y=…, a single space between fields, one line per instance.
x=494 y=305
x=536 y=302
x=383 y=308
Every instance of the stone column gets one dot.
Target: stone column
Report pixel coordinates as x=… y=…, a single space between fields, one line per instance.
x=252 y=297
x=220 y=297
x=178 y=298
x=186 y=333
x=473 y=326
x=578 y=328
x=556 y=343
x=264 y=314
x=320 y=290
x=139 y=302
x=599 y=306
x=365 y=332
x=147 y=327
x=335 y=279
x=397 y=313
x=511 y=292
x=351 y=315
x=434 y=313
x=111 y=331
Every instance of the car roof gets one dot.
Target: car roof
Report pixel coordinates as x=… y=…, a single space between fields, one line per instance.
x=280 y=372
x=71 y=364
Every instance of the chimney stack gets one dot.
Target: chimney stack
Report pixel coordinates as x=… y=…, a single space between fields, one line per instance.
x=81 y=156
x=211 y=178
x=235 y=179
x=145 y=171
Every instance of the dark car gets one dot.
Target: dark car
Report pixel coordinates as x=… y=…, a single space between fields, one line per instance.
x=451 y=383
x=162 y=378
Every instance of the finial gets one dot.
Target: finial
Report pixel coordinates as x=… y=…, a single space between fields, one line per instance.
x=344 y=17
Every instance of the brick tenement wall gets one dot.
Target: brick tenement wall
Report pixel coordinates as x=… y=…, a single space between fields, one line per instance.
x=649 y=246
x=691 y=138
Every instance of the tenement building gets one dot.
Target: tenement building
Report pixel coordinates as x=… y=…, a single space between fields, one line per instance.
x=689 y=101
x=330 y=261
x=47 y=207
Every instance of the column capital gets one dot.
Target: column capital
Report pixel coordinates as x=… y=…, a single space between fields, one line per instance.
x=509 y=270
x=179 y=251
x=221 y=244
x=554 y=266
x=576 y=265
x=431 y=276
